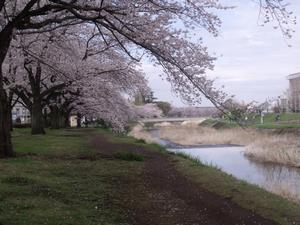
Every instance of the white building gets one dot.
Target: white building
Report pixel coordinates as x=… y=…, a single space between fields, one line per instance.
x=73 y=121
x=20 y=114
x=294 y=92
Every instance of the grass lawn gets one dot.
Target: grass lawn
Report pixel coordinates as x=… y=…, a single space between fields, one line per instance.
x=53 y=184
x=59 y=179
x=287 y=121
x=277 y=126
x=284 y=117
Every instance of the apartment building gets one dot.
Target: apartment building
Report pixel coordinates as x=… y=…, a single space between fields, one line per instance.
x=294 y=92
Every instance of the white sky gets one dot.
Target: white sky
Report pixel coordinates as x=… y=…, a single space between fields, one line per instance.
x=253 y=61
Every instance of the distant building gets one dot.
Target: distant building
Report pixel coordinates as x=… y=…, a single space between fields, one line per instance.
x=294 y=92
x=265 y=107
x=20 y=115
x=73 y=121
x=283 y=103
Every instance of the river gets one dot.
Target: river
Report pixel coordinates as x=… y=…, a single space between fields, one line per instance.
x=277 y=178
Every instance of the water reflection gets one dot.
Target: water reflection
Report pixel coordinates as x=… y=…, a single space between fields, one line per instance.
x=273 y=177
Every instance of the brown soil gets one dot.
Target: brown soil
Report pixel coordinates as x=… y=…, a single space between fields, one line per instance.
x=163 y=196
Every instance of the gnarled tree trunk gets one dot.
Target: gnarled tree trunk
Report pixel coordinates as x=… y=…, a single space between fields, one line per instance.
x=6 y=149
x=61 y=120
x=54 y=117
x=37 y=118
x=46 y=120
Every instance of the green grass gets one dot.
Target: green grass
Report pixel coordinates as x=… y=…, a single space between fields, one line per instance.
x=287 y=121
x=49 y=183
x=277 y=126
x=141 y=141
x=56 y=142
x=284 y=117
x=129 y=156
x=244 y=194
x=219 y=123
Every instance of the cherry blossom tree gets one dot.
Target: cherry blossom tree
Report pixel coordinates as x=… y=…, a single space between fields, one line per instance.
x=40 y=72
x=44 y=80
x=192 y=111
x=150 y=110
x=239 y=111
x=137 y=27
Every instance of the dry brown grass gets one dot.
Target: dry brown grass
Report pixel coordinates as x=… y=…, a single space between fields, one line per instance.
x=195 y=135
x=138 y=132
x=283 y=149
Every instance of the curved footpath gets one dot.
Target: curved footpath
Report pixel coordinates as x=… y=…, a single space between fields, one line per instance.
x=163 y=196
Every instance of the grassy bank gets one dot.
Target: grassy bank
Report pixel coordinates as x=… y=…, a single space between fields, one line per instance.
x=60 y=179
x=277 y=126
x=248 y=196
x=284 y=118
x=286 y=121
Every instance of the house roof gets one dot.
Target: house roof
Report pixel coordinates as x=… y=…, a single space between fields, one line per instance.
x=293 y=76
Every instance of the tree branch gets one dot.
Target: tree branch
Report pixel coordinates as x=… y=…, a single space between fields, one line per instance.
x=2 y=2
x=53 y=89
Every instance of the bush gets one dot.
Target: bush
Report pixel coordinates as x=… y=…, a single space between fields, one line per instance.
x=140 y=141
x=129 y=156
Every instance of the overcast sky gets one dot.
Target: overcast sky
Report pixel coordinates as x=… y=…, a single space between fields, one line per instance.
x=253 y=61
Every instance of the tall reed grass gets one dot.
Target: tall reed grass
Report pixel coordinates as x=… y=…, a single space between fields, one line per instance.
x=139 y=132
x=196 y=135
x=284 y=149
x=265 y=147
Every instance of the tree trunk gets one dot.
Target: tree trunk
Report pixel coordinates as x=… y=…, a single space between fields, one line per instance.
x=62 y=120
x=6 y=149
x=10 y=120
x=37 y=118
x=54 y=117
x=45 y=115
x=86 y=122
x=78 y=120
x=67 y=120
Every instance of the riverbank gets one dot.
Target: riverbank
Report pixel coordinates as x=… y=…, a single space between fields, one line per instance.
x=92 y=176
x=267 y=146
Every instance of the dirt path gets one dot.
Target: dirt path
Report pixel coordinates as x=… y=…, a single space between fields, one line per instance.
x=163 y=196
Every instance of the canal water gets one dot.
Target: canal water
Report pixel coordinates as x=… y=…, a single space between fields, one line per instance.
x=231 y=160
